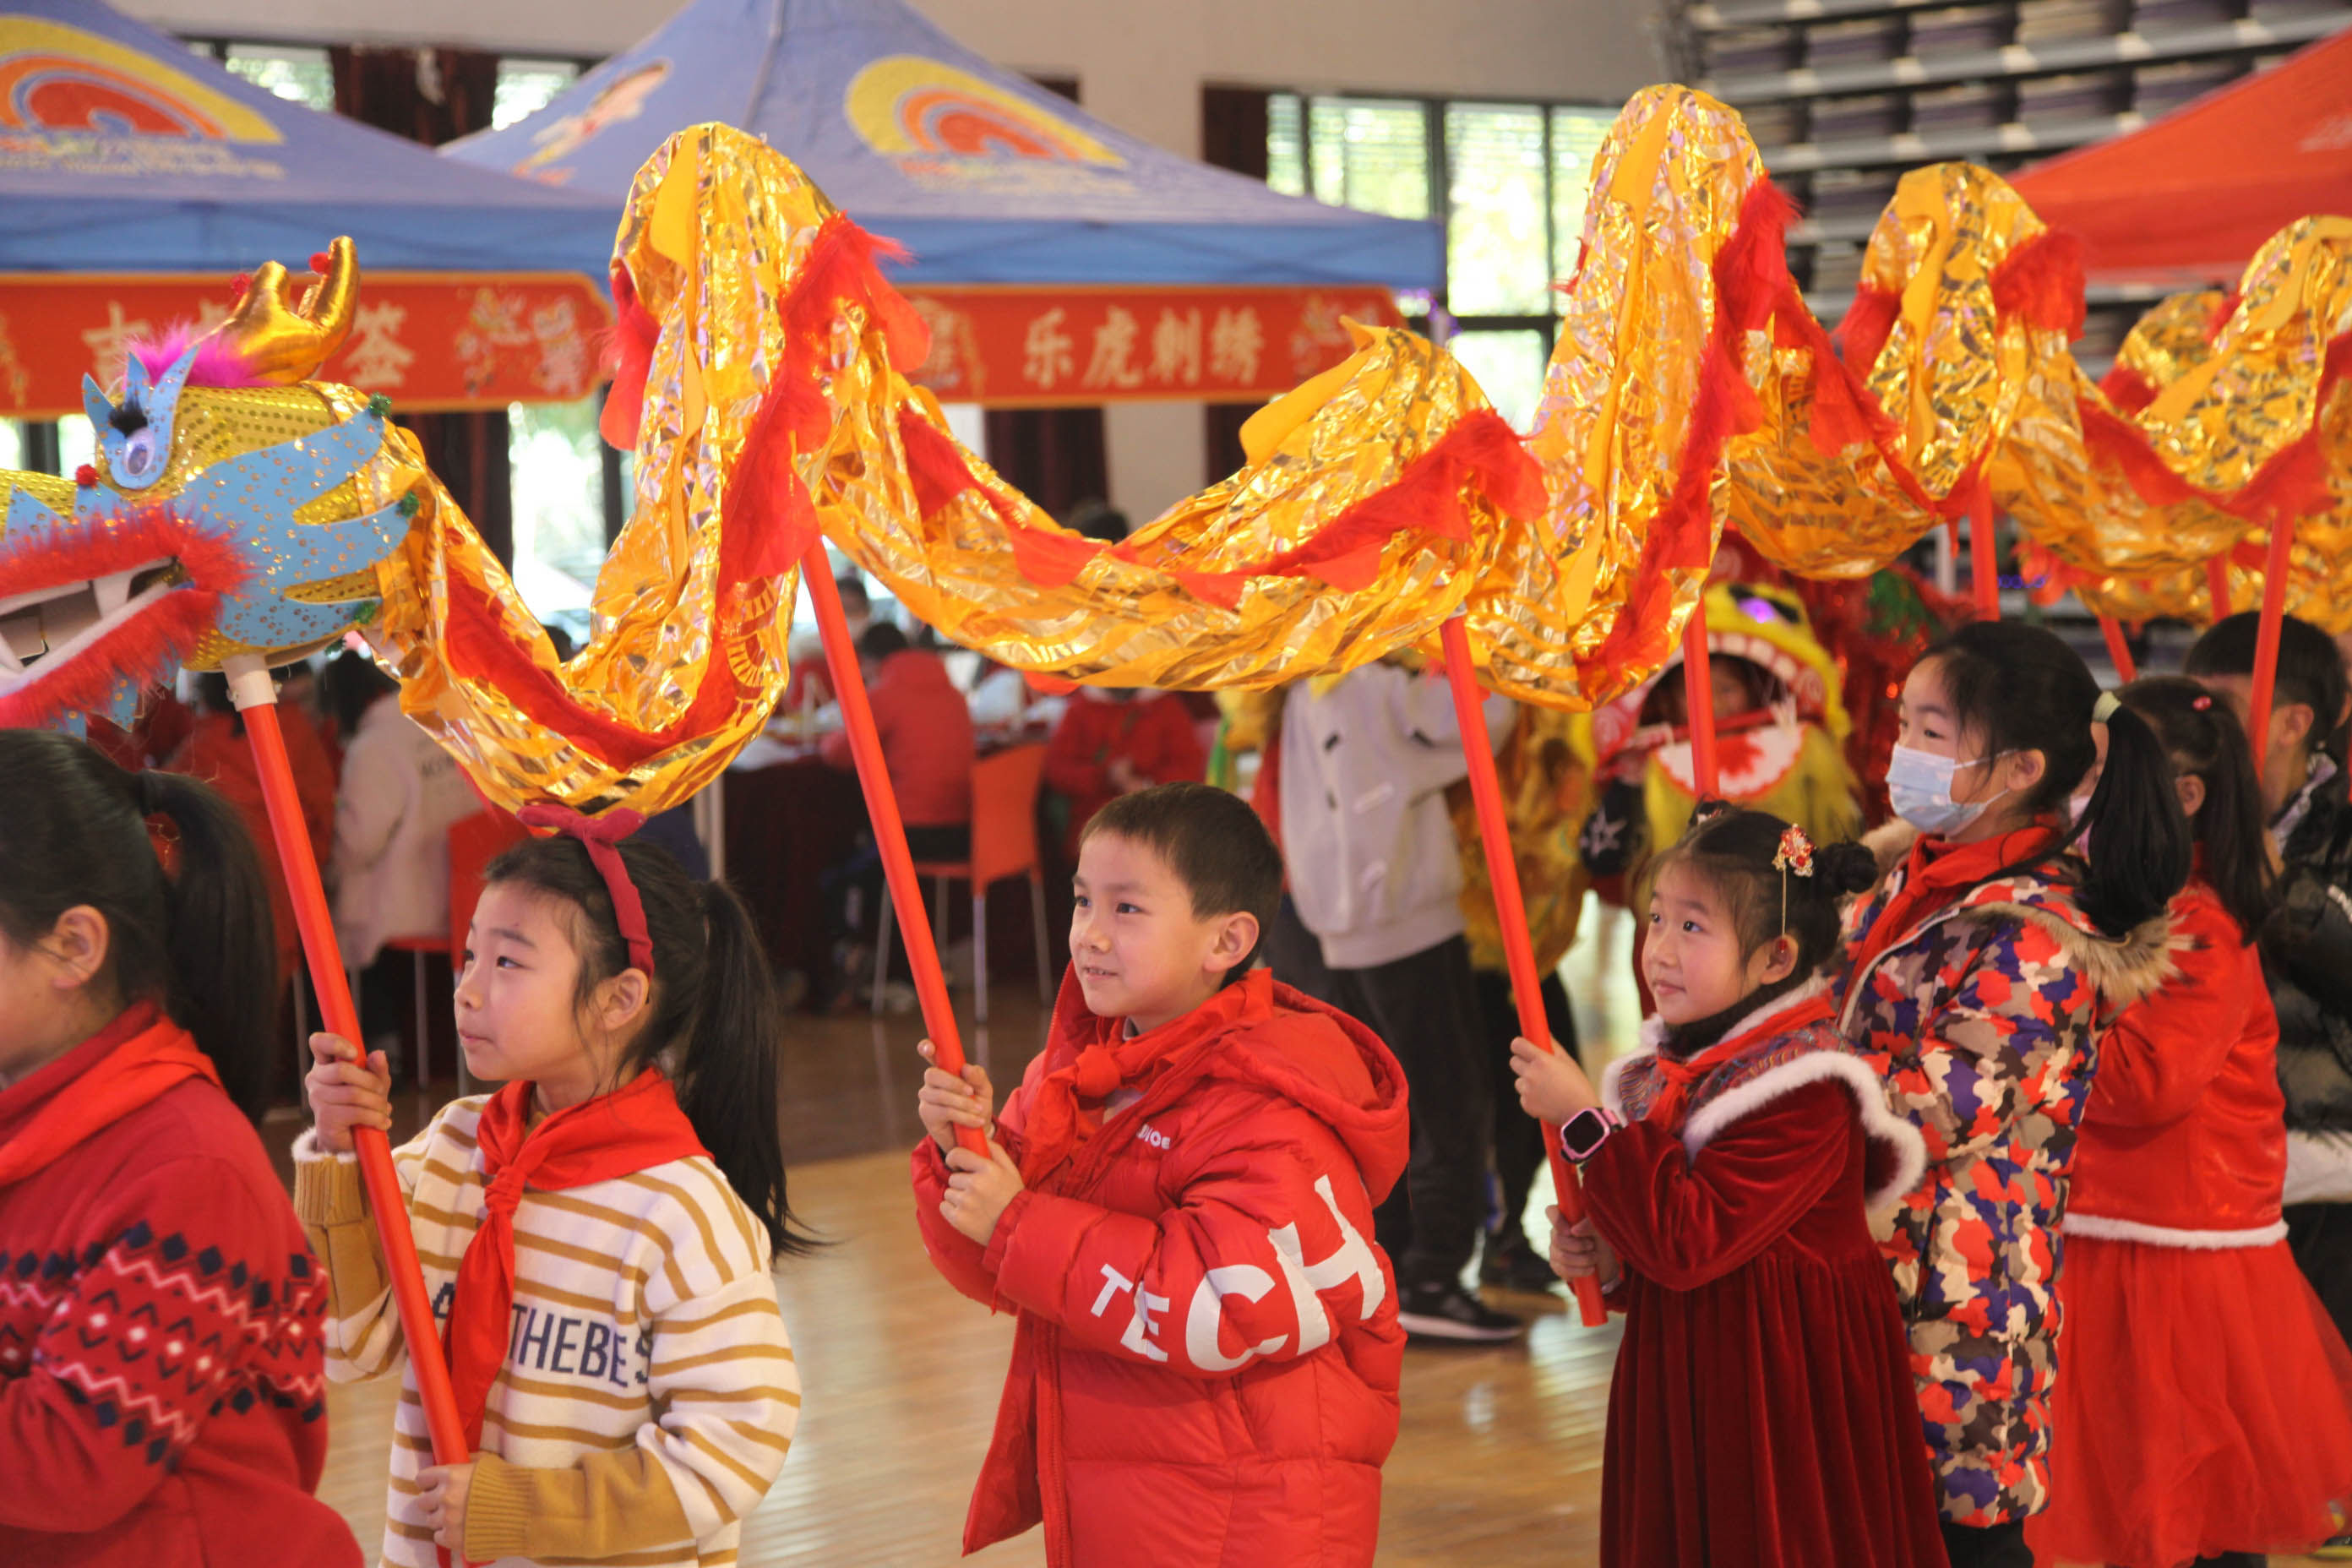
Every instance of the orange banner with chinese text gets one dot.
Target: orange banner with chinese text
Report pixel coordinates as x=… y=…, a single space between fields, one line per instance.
x=1063 y=345
x=427 y=340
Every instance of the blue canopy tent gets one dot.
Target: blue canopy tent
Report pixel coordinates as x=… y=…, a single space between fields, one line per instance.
x=137 y=177
x=984 y=176
x=121 y=149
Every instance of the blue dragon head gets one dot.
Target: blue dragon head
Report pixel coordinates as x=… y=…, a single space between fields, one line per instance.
x=236 y=506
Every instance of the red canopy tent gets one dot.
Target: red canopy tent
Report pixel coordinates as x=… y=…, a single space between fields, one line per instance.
x=2189 y=199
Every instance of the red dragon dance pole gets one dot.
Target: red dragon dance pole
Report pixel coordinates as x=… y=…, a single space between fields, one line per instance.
x=1698 y=701
x=2266 y=637
x=1503 y=870
x=889 y=832
x=255 y=695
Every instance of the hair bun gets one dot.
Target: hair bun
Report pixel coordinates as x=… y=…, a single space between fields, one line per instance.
x=1845 y=867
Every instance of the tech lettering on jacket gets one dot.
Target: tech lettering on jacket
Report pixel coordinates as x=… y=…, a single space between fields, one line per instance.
x=1303 y=1282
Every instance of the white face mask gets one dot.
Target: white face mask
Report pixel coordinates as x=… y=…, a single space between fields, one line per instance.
x=1919 y=787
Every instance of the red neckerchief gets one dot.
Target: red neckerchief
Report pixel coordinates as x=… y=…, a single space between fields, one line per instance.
x=1059 y=1120
x=1938 y=873
x=1676 y=1075
x=130 y=1063
x=633 y=1128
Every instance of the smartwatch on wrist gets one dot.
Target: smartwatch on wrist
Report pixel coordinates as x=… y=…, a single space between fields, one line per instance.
x=1582 y=1134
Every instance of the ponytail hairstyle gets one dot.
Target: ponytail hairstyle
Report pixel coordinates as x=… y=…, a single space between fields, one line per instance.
x=2017 y=688
x=2205 y=740
x=198 y=942
x=1732 y=851
x=712 y=1010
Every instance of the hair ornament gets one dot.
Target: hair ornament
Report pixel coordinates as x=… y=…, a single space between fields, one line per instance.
x=2202 y=704
x=2105 y=708
x=1796 y=853
x=601 y=836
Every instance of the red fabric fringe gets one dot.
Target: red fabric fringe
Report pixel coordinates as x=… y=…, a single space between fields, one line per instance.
x=767 y=521
x=2225 y=308
x=1480 y=450
x=1751 y=275
x=2041 y=281
x=2291 y=483
x=2127 y=389
x=1868 y=322
x=142 y=649
x=145 y=649
x=628 y=352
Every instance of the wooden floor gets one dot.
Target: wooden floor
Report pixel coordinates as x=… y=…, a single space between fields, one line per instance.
x=1498 y=1463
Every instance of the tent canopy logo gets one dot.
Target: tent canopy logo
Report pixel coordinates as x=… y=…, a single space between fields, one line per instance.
x=59 y=79
x=911 y=108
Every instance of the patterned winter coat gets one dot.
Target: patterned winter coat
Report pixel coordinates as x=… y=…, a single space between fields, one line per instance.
x=1984 y=1023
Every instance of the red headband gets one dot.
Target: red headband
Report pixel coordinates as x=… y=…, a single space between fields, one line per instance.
x=601 y=836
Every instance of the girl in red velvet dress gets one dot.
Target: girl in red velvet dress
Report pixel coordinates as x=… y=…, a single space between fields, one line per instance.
x=1762 y=1413
x=2206 y=1414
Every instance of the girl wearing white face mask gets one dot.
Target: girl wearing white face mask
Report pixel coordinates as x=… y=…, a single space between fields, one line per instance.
x=1975 y=979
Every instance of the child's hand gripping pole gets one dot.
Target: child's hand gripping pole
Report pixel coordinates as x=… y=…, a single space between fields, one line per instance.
x=255 y=695
x=889 y=832
x=1503 y=871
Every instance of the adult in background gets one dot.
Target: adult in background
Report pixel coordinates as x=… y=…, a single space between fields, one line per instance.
x=1376 y=874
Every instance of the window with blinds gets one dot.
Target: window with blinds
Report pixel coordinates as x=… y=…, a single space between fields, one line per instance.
x=1508 y=180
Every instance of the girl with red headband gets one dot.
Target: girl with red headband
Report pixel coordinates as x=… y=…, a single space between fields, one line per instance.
x=1761 y=1416
x=597 y=1236
x=162 y=1390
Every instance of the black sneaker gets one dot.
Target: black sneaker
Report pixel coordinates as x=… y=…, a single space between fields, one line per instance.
x=1513 y=1265
x=1446 y=1312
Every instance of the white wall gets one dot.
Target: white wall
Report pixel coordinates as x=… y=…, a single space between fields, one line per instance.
x=1139 y=63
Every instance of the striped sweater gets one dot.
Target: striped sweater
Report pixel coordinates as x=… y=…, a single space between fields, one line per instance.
x=649 y=1394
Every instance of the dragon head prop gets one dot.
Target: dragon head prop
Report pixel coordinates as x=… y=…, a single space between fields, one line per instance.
x=235 y=507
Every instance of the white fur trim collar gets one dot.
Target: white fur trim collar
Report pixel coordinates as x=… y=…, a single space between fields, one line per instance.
x=1902 y=1140
x=1879 y=1125
x=1653 y=1028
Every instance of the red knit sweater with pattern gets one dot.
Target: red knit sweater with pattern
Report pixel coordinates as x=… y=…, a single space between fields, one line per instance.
x=161 y=1365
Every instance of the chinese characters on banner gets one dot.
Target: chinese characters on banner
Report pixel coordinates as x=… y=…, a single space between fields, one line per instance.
x=428 y=340
x=1067 y=345
x=442 y=341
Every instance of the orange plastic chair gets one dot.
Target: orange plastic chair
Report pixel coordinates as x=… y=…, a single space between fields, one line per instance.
x=1003 y=844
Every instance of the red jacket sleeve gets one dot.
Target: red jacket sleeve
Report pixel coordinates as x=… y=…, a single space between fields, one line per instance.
x=955 y=1254
x=1265 y=1254
x=132 y=1359
x=2164 y=1051
x=1684 y=1222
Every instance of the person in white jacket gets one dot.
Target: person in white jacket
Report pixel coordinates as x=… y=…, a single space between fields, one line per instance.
x=399 y=796
x=1375 y=874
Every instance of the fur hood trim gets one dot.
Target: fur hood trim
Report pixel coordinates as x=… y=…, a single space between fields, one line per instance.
x=1899 y=1155
x=2122 y=970
x=1889 y=842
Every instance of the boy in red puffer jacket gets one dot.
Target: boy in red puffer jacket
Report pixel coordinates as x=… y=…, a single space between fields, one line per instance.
x=1178 y=1202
